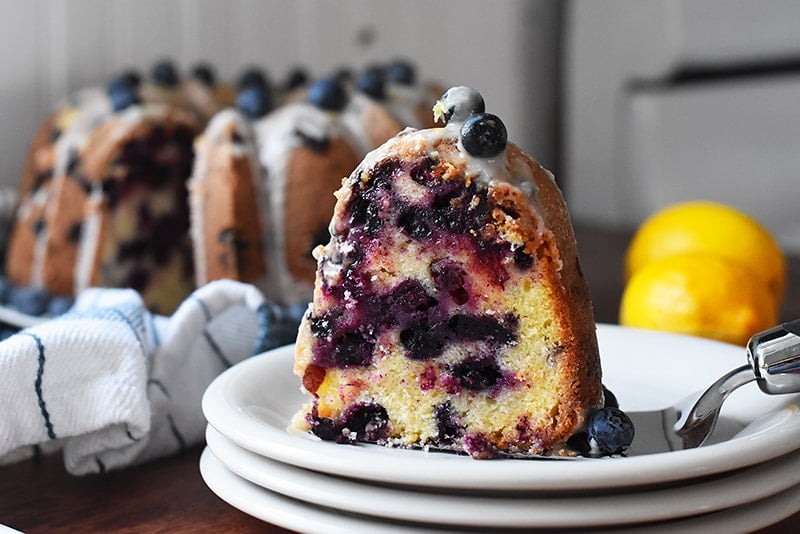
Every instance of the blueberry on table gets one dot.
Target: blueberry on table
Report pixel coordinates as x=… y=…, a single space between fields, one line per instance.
x=165 y=74
x=328 y=94
x=401 y=72
x=29 y=300
x=203 y=72
x=458 y=104
x=484 y=135
x=610 y=430
x=254 y=101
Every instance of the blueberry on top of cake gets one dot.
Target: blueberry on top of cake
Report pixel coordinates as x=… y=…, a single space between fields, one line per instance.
x=449 y=306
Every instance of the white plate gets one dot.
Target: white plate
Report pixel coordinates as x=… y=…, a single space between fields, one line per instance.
x=510 y=511
x=295 y=515
x=252 y=403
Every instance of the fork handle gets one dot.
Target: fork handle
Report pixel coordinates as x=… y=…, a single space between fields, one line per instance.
x=775 y=358
x=792 y=327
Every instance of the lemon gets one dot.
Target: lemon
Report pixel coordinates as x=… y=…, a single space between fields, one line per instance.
x=700 y=295
x=709 y=228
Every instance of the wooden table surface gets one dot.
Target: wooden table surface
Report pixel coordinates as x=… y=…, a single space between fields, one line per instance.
x=169 y=495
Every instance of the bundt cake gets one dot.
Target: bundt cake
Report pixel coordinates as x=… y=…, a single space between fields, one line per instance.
x=107 y=202
x=449 y=307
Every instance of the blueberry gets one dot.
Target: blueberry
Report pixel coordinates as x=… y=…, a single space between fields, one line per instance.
x=298 y=77
x=610 y=398
x=610 y=430
x=29 y=300
x=203 y=72
x=276 y=326
x=344 y=74
x=477 y=374
x=328 y=94
x=459 y=103
x=254 y=101
x=122 y=97
x=126 y=80
x=484 y=135
x=164 y=73
x=253 y=76
x=423 y=342
x=372 y=82
x=59 y=305
x=447 y=426
x=325 y=429
x=369 y=421
x=579 y=442
x=402 y=73
x=297 y=311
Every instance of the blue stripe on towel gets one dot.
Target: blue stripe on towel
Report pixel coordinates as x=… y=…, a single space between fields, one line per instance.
x=215 y=348
x=175 y=432
x=127 y=320
x=159 y=385
x=131 y=436
x=38 y=385
x=152 y=320
x=203 y=307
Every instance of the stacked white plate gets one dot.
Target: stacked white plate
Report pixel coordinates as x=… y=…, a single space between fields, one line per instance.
x=299 y=482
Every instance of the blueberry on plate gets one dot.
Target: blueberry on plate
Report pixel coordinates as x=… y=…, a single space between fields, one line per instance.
x=484 y=135
x=459 y=103
x=610 y=431
x=164 y=73
x=29 y=300
x=254 y=101
x=609 y=398
x=328 y=94
x=203 y=72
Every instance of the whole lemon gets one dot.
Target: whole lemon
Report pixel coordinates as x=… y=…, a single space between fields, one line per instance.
x=709 y=228
x=698 y=294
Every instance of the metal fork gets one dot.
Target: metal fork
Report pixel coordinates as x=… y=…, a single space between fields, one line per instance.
x=773 y=362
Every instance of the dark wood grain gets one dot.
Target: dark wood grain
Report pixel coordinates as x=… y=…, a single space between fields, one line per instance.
x=168 y=495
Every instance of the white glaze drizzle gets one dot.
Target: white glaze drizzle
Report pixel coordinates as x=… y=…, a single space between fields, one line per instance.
x=278 y=139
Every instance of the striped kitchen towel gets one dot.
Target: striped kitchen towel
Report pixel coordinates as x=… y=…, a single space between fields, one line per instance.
x=114 y=385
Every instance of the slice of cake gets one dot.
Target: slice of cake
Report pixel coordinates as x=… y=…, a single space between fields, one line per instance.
x=449 y=307
x=228 y=204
